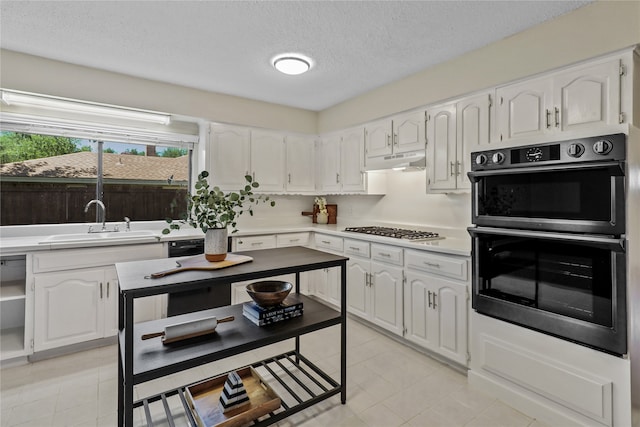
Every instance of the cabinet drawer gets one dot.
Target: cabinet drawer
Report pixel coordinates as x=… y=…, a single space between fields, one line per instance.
x=292 y=239
x=67 y=259
x=252 y=243
x=356 y=247
x=389 y=254
x=443 y=265
x=332 y=243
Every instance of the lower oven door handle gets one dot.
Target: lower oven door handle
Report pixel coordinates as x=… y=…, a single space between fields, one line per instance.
x=610 y=243
x=616 y=168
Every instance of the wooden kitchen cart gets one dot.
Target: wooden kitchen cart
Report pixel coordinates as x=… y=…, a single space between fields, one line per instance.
x=140 y=361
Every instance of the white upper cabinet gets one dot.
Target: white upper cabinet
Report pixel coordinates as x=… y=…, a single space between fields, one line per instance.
x=399 y=134
x=268 y=160
x=353 y=177
x=409 y=132
x=454 y=130
x=340 y=159
x=441 y=147
x=300 y=164
x=237 y=151
x=328 y=153
x=378 y=138
x=229 y=156
x=581 y=100
x=472 y=131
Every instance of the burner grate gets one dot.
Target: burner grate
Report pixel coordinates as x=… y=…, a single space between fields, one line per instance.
x=397 y=233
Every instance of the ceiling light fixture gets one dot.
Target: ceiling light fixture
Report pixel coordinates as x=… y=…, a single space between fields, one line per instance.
x=292 y=64
x=63 y=104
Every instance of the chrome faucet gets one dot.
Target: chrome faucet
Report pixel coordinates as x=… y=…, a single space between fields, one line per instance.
x=104 y=213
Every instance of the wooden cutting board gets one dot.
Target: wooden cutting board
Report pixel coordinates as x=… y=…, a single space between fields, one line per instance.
x=200 y=263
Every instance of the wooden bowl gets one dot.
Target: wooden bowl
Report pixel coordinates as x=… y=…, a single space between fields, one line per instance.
x=268 y=293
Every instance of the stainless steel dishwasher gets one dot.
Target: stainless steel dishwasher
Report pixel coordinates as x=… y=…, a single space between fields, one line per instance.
x=201 y=299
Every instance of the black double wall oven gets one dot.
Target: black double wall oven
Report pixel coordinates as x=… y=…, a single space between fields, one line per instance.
x=549 y=239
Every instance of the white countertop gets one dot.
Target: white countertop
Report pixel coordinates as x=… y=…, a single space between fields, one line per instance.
x=20 y=240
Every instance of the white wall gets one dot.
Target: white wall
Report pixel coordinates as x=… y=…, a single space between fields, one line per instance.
x=407 y=203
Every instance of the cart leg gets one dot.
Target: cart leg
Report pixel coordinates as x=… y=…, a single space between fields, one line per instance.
x=343 y=331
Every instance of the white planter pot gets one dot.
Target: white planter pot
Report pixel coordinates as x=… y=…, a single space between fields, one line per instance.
x=215 y=244
x=322 y=218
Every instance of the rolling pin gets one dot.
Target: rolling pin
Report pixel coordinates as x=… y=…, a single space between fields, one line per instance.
x=182 y=331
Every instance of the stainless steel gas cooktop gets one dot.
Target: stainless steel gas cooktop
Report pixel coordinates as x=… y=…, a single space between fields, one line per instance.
x=397 y=233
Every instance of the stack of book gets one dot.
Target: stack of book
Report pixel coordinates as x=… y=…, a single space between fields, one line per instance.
x=288 y=309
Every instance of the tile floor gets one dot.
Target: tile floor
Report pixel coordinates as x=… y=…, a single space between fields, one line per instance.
x=389 y=385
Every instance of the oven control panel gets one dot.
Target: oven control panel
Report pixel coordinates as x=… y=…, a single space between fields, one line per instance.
x=597 y=148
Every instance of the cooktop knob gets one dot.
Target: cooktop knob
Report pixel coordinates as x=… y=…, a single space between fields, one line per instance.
x=497 y=158
x=602 y=146
x=575 y=149
x=481 y=159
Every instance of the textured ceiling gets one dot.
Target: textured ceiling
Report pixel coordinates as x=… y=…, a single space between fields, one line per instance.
x=226 y=46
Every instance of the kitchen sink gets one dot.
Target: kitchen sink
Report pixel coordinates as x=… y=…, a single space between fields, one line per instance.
x=88 y=237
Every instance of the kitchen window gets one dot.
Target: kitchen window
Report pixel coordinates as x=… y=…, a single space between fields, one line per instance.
x=48 y=178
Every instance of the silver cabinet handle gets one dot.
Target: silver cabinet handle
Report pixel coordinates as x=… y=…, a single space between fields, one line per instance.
x=429 y=298
x=452 y=168
x=458 y=167
x=337 y=178
x=289 y=178
x=548 y=118
x=395 y=139
x=256 y=243
x=293 y=240
x=326 y=242
x=100 y=290
x=107 y=290
x=431 y=264
x=384 y=254
x=435 y=297
x=240 y=242
x=353 y=248
x=388 y=140
x=557 y=110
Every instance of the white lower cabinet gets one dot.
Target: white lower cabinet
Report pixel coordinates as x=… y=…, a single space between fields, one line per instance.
x=435 y=315
x=76 y=293
x=374 y=289
x=75 y=306
x=435 y=307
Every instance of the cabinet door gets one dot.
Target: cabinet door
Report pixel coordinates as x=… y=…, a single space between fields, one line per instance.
x=329 y=157
x=420 y=319
x=450 y=304
x=352 y=161
x=588 y=98
x=300 y=164
x=268 y=160
x=68 y=308
x=377 y=137
x=358 y=287
x=409 y=132
x=386 y=297
x=441 y=148
x=472 y=121
x=229 y=157
x=109 y=295
x=524 y=109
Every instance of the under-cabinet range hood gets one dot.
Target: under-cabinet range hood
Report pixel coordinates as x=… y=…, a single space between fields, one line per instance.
x=400 y=161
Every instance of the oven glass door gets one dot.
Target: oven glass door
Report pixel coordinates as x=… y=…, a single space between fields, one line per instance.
x=586 y=199
x=561 y=284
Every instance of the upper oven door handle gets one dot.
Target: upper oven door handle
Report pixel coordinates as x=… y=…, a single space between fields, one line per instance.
x=610 y=243
x=616 y=168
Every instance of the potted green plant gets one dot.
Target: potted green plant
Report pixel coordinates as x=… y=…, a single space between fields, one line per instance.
x=212 y=211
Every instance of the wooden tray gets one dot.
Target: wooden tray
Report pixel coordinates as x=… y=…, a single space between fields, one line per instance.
x=203 y=398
